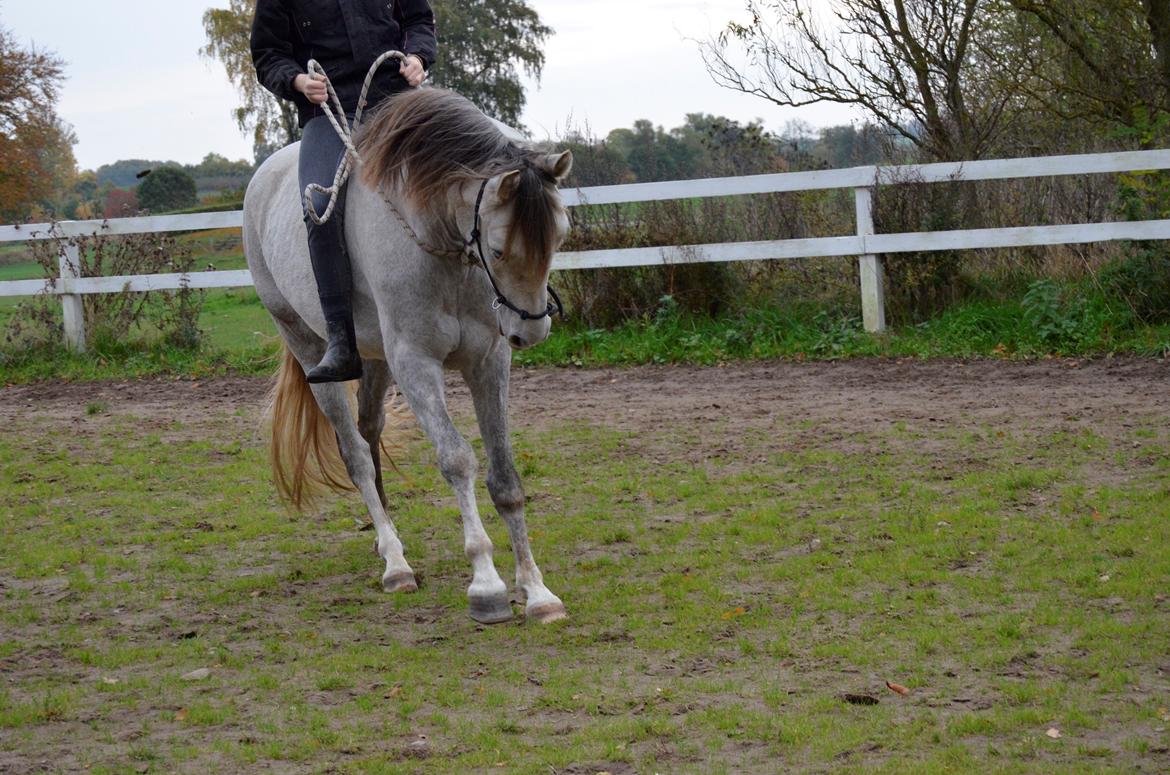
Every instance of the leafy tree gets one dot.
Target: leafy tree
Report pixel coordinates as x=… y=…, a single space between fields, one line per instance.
x=915 y=66
x=482 y=44
x=167 y=188
x=595 y=162
x=120 y=203
x=728 y=147
x=36 y=147
x=654 y=154
x=217 y=173
x=850 y=146
x=1104 y=61
x=271 y=122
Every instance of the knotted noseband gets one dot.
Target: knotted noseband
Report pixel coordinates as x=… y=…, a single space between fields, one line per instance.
x=476 y=241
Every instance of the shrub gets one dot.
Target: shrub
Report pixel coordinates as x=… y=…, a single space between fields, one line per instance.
x=110 y=318
x=167 y=188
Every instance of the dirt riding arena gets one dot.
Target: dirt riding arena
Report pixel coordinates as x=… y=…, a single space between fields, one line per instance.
x=748 y=553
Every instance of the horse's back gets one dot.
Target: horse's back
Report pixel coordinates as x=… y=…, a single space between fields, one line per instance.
x=274 y=237
x=268 y=194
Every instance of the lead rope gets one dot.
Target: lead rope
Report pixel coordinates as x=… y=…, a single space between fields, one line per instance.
x=345 y=131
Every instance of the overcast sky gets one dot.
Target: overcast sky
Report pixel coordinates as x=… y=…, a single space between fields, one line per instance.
x=137 y=87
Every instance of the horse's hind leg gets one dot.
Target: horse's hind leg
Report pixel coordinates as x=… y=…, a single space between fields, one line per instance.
x=372 y=415
x=420 y=378
x=489 y=390
x=359 y=462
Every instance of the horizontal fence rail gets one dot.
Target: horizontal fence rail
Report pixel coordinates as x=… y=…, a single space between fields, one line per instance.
x=865 y=244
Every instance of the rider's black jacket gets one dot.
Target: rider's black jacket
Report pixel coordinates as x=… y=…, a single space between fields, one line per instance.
x=345 y=37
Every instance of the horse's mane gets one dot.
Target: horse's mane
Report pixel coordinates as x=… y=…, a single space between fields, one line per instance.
x=421 y=143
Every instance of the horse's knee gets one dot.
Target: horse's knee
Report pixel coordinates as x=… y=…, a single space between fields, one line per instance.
x=457 y=464
x=505 y=488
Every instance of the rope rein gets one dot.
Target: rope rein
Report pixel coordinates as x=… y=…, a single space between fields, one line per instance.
x=461 y=253
x=345 y=131
x=351 y=159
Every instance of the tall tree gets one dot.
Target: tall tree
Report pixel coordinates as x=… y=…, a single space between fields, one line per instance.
x=483 y=46
x=36 y=147
x=271 y=122
x=1102 y=60
x=913 y=66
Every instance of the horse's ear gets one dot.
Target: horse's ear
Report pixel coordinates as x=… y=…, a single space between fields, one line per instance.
x=509 y=183
x=558 y=165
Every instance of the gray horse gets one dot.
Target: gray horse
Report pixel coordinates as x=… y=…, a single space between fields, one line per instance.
x=451 y=230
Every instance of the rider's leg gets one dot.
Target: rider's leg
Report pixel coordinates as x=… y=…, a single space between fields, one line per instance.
x=321 y=153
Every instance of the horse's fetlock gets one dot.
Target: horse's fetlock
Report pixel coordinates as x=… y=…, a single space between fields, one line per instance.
x=508 y=500
x=480 y=547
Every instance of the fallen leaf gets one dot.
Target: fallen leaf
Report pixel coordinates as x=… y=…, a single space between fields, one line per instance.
x=181 y=715
x=197 y=675
x=110 y=681
x=392 y=693
x=897 y=688
x=1054 y=733
x=733 y=613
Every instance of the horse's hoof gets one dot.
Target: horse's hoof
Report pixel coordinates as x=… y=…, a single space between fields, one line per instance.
x=400 y=582
x=491 y=609
x=547 y=613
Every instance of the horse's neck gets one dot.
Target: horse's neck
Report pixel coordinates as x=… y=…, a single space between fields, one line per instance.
x=440 y=234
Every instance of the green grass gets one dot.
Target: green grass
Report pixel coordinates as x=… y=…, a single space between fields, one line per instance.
x=240 y=338
x=720 y=604
x=1073 y=319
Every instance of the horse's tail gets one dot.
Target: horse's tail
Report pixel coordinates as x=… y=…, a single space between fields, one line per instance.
x=305 y=457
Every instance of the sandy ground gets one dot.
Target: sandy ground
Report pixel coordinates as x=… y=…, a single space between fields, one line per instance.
x=860 y=394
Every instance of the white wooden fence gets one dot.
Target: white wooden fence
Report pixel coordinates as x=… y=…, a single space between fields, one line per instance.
x=864 y=244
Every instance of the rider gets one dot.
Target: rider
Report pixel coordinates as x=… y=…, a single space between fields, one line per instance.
x=345 y=37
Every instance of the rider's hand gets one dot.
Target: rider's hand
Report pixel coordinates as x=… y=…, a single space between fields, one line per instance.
x=313 y=87
x=412 y=70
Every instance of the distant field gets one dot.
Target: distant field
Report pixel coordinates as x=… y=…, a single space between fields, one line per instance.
x=232 y=319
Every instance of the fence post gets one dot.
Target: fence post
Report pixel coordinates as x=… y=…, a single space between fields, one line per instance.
x=873 y=294
x=72 y=307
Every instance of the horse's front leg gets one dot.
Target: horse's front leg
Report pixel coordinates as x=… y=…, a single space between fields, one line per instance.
x=489 y=391
x=420 y=378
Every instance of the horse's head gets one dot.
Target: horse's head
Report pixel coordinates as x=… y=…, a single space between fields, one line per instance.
x=521 y=223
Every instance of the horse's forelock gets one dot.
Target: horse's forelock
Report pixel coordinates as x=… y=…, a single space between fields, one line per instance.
x=534 y=216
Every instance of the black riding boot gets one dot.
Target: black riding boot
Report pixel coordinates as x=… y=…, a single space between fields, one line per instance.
x=330 y=260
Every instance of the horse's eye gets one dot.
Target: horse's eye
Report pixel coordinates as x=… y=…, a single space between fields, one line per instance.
x=497 y=254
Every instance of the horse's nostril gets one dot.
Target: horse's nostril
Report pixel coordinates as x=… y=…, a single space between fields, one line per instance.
x=515 y=341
